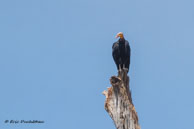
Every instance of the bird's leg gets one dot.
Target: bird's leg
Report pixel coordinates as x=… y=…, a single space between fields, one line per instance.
x=120 y=68
x=126 y=69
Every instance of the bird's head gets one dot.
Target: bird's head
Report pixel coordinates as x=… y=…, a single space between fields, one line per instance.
x=120 y=34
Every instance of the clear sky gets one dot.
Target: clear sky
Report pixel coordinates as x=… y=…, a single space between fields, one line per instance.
x=56 y=59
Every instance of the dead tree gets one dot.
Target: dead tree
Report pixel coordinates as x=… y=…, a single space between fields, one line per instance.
x=119 y=103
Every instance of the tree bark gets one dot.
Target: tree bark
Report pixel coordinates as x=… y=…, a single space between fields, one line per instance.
x=119 y=103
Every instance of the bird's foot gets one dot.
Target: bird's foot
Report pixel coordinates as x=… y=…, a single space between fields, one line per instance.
x=126 y=69
x=119 y=70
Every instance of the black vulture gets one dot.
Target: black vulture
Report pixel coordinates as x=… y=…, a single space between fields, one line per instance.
x=121 y=52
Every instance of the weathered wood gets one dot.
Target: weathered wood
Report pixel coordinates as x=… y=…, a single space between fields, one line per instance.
x=119 y=103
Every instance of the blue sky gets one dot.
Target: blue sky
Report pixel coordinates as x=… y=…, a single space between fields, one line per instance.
x=56 y=59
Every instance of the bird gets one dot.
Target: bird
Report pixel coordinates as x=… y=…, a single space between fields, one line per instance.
x=121 y=52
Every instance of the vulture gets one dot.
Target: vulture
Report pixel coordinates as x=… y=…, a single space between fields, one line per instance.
x=121 y=52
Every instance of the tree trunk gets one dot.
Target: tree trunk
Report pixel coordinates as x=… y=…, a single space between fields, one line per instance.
x=119 y=103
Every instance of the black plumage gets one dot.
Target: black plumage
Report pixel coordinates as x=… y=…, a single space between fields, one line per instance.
x=121 y=52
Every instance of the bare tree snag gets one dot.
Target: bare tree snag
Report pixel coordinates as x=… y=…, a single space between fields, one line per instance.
x=119 y=103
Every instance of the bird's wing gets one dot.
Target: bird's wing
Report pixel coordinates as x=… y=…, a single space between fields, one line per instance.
x=127 y=48
x=128 y=54
x=115 y=51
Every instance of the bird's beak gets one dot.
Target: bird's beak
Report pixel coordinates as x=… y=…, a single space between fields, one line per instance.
x=116 y=36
